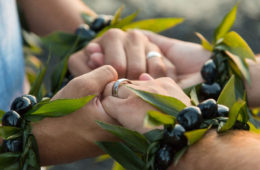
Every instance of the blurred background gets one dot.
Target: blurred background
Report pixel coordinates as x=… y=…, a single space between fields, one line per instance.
x=200 y=16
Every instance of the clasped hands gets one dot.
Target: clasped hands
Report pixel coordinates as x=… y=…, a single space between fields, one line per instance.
x=123 y=54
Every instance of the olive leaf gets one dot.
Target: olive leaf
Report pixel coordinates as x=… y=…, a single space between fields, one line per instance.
x=7 y=159
x=204 y=42
x=117 y=15
x=128 y=19
x=155 y=118
x=226 y=24
x=102 y=158
x=178 y=155
x=195 y=135
x=166 y=104
x=59 y=107
x=232 y=91
x=117 y=166
x=242 y=65
x=131 y=138
x=194 y=96
x=233 y=114
x=236 y=45
x=122 y=154
x=155 y=25
x=8 y=132
x=154 y=135
x=1 y=114
x=60 y=43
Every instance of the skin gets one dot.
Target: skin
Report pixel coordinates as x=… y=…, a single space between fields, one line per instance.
x=126 y=52
x=46 y=16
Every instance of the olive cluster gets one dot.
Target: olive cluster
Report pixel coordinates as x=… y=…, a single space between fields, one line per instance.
x=190 y=118
x=215 y=74
x=89 y=32
x=13 y=118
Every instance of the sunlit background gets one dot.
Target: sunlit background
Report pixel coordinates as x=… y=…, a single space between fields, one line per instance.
x=200 y=16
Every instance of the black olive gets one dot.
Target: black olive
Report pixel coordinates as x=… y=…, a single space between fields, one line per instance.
x=21 y=105
x=31 y=98
x=208 y=109
x=85 y=33
x=190 y=117
x=209 y=71
x=210 y=90
x=12 y=145
x=98 y=24
x=223 y=111
x=164 y=157
x=175 y=137
x=11 y=118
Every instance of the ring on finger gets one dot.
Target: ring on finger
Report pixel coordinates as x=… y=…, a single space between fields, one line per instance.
x=153 y=54
x=117 y=84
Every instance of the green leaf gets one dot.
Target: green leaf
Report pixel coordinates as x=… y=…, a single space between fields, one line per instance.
x=122 y=154
x=194 y=96
x=117 y=166
x=60 y=43
x=117 y=15
x=204 y=42
x=236 y=45
x=154 y=135
x=195 y=135
x=241 y=64
x=232 y=91
x=35 y=89
x=8 y=132
x=155 y=118
x=166 y=104
x=234 y=112
x=7 y=159
x=226 y=24
x=1 y=114
x=131 y=138
x=178 y=155
x=155 y=25
x=59 y=107
x=102 y=158
x=120 y=23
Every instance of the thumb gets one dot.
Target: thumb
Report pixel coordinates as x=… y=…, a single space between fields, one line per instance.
x=164 y=43
x=91 y=83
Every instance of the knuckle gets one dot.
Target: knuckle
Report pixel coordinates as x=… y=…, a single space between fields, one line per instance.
x=112 y=33
x=136 y=35
x=136 y=70
x=121 y=69
x=159 y=68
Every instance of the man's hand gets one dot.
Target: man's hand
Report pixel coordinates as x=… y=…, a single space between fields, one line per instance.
x=129 y=110
x=73 y=137
x=125 y=51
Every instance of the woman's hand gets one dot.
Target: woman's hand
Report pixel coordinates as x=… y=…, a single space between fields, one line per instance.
x=187 y=57
x=73 y=137
x=126 y=52
x=129 y=110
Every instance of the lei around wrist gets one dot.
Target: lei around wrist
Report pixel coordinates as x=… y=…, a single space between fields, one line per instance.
x=19 y=149
x=19 y=142
x=207 y=114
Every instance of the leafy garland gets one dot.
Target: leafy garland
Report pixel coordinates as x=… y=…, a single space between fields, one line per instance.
x=137 y=151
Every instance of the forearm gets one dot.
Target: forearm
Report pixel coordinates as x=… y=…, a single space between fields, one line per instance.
x=45 y=16
x=235 y=150
x=253 y=91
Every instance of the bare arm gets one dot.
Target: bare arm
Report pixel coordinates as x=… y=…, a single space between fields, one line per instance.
x=225 y=152
x=45 y=16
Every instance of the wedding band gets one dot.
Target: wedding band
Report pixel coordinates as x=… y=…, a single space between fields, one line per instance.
x=153 y=54
x=116 y=86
